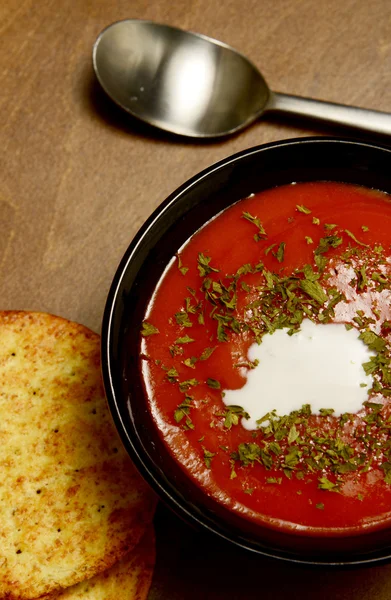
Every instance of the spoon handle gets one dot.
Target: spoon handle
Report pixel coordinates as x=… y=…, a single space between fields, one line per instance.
x=329 y=112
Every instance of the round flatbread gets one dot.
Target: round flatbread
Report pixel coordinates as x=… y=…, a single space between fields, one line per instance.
x=71 y=501
x=129 y=579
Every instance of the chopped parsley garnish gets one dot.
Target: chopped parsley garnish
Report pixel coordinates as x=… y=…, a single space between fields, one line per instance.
x=207 y=353
x=325 y=243
x=326 y=484
x=185 y=339
x=373 y=341
x=269 y=248
x=204 y=267
x=181 y=268
x=148 y=329
x=183 y=409
x=190 y=362
x=314 y=290
x=261 y=234
x=208 y=456
x=213 y=383
x=303 y=209
x=182 y=318
x=351 y=235
x=172 y=375
x=187 y=384
x=280 y=252
x=233 y=414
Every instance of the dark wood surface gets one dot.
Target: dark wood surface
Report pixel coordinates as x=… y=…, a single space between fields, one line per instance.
x=78 y=178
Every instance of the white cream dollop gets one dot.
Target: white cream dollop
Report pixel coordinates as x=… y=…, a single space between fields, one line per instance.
x=320 y=365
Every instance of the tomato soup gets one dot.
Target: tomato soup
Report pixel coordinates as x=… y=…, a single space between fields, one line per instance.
x=265 y=355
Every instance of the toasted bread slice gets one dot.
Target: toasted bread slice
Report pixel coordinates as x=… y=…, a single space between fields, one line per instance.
x=129 y=579
x=71 y=501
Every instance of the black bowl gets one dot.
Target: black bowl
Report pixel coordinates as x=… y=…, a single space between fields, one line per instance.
x=177 y=218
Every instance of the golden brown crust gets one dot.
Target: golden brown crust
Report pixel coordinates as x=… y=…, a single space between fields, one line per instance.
x=129 y=579
x=71 y=501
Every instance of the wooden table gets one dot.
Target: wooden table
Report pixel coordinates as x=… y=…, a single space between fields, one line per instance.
x=79 y=178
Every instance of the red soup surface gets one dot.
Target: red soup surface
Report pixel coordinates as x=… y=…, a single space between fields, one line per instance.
x=317 y=251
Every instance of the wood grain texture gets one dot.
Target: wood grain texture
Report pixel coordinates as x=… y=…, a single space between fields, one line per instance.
x=78 y=178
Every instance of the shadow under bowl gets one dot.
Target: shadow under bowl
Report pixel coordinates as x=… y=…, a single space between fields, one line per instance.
x=167 y=229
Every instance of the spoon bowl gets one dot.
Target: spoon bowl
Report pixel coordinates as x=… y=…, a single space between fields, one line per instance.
x=195 y=86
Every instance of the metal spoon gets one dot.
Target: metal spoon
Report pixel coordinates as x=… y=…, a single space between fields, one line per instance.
x=195 y=86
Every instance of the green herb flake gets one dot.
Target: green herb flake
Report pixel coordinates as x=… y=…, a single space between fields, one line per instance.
x=327 y=242
x=208 y=456
x=279 y=255
x=255 y=221
x=233 y=414
x=326 y=412
x=248 y=364
x=274 y=480
x=190 y=362
x=178 y=415
x=216 y=287
x=221 y=330
x=172 y=375
x=182 y=318
x=293 y=434
x=244 y=270
x=315 y=221
x=364 y=228
x=248 y=453
x=378 y=277
x=373 y=341
x=314 y=290
x=320 y=262
x=207 y=353
x=269 y=248
x=275 y=448
x=269 y=278
x=186 y=339
x=329 y=226
x=309 y=240
x=320 y=506
x=188 y=383
x=203 y=265
x=183 y=410
x=386 y=467
x=213 y=383
x=188 y=424
x=181 y=268
x=148 y=329
x=303 y=209
x=309 y=273
x=353 y=237
x=326 y=484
